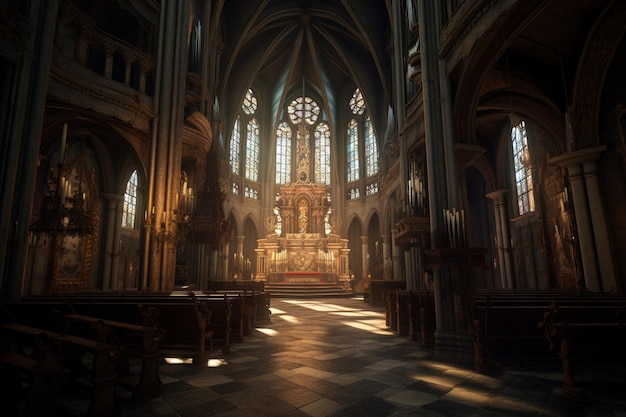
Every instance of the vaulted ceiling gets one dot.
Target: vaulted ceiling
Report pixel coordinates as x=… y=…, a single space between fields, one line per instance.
x=326 y=47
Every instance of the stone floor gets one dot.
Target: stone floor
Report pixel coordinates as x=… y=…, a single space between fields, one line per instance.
x=335 y=357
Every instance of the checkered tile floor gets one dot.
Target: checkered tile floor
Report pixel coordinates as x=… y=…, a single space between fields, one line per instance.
x=336 y=358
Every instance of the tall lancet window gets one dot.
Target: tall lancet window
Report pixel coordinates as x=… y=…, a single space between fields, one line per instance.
x=353 y=151
x=523 y=169
x=129 y=210
x=235 y=144
x=371 y=149
x=245 y=149
x=322 y=154
x=252 y=150
x=361 y=151
x=283 y=154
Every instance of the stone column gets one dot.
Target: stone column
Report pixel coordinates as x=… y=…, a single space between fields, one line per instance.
x=112 y=229
x=240 y=257
x=593 y=237
x=24 y=81
x=503 y=237
x=600 y=229
x=387 y=265
x=364 y=257
x=451 y=282
x=396 y=254
x=169 y=84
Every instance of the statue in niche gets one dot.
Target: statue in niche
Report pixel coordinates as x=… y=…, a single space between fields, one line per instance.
x=303 y=216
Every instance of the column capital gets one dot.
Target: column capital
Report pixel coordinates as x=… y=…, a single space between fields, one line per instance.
x=578 y=157
x=111 y=196
x=497 y=195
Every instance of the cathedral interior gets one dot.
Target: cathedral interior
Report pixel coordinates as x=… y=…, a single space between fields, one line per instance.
x=450 y=147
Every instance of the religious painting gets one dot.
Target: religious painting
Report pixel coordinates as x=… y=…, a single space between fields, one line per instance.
x=71 y=262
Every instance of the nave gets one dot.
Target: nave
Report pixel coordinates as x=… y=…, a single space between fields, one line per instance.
x=336 y=358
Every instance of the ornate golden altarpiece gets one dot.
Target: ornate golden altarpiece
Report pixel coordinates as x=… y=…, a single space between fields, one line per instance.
x=308 y=248
x=303 y=252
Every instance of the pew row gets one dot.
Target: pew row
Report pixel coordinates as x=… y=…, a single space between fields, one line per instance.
x=29 y=384
x=71 y=354
x=585 y=332
x=530 y=327
x=136 y=341
x=232 y=315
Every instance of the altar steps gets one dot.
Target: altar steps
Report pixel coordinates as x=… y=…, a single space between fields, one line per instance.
x=306 y=289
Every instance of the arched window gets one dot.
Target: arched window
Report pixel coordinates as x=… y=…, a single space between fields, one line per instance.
x=523 y=169
x=353 y=151
x=235 y=144
x=283 y=153
x=129 y=211
x=304 y=120
x=252 y=151
x=371 y=149
x=322 y=154
x=244 y=148
x=361 y=151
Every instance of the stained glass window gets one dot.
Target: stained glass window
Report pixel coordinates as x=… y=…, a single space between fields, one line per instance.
x=244 y=150
x=283 y=153
x=357 y=103
x=252 y=150
x=322 y=154
x=129 y=211
x=249 y=105
x=235 y=144
x=523 y=169
x=353 y=151
x=371 y=149
x=312 y=142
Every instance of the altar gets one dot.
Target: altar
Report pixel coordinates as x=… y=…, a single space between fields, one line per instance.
x=302 y=258
x=302 y=244
x=302 y=276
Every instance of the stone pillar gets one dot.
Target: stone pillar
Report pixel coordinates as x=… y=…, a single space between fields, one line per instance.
x=240 y=258
x=112 y=228
x=451 y=282
x=593 y=237
x=365 y=257
x=387 y=265
x=166 y=146
x=396 y=256
x=600 y=229
x=503 y=237
x=24 y=81
x=225 y=261
x=108 y=64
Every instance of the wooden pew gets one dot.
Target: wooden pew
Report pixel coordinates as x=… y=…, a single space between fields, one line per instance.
x=377 y=288
x=411 y=313
x=42 y=377
x=98 y=379
x=138 y=341
x=233 y=314
x=236 y=285
x=504 y=324
x=587 y=331
x=422 y=317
